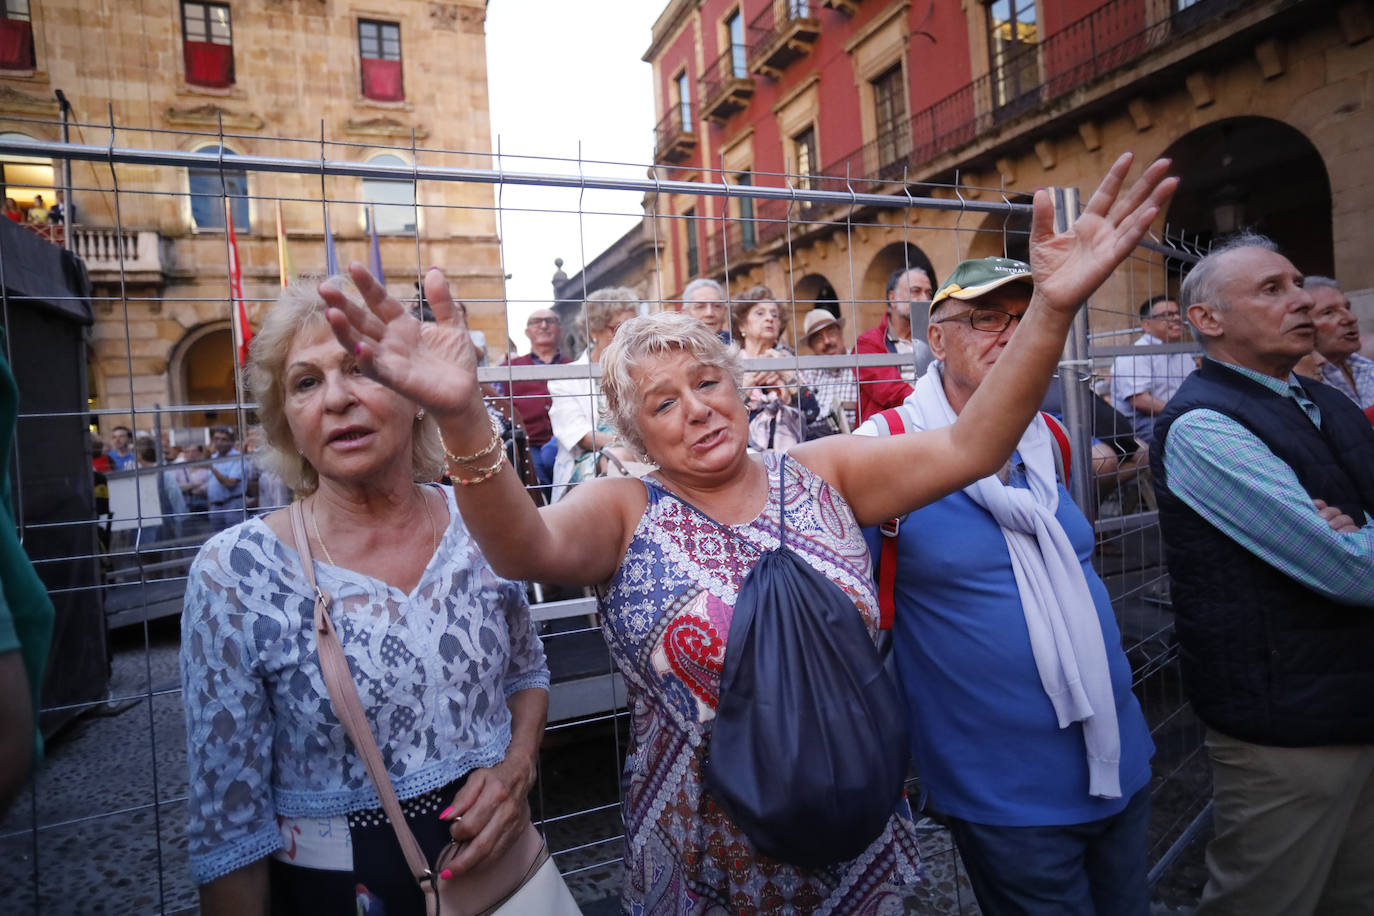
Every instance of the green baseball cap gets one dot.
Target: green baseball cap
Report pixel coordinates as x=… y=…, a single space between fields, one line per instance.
x=972 y=279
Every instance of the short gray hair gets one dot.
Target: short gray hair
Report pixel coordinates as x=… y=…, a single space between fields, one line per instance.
x=1320 y=282
x=703 y=283
x=604 y=304
x=1205 y=280
x=645 y=337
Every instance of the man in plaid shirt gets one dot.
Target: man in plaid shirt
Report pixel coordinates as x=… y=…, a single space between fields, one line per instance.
x=1265 y=484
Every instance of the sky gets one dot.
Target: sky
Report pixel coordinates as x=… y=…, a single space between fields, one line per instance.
x=565 y=78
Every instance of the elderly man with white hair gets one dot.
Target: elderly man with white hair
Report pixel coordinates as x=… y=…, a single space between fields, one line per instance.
x=1265 y=482
x=704 y=300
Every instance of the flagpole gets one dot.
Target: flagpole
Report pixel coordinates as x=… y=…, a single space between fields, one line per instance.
x=375 y=259
x=238 y=314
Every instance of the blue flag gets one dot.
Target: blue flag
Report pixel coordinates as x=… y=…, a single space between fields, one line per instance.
x=331 y=260
x=374 y=262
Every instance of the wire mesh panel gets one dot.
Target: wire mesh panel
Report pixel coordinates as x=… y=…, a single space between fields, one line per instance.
x=180 y=245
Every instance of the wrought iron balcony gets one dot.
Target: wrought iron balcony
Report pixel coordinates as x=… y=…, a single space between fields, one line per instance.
x=675 y=138
x=736 y=245
x=727 y=85
x=783 y=31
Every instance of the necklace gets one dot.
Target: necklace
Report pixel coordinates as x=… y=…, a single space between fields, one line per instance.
x=429 y=514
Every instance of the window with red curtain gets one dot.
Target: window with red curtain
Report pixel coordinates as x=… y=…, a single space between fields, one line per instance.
x=379 y=48
x=16 y=36
x=207 y=44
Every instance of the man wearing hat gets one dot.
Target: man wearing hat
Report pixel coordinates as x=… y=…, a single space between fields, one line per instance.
x=1024 y=729
x=836 y=388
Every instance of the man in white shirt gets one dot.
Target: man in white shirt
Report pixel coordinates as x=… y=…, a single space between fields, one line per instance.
x=1142 y=385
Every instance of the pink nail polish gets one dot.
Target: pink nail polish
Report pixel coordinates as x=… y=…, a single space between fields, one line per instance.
x=445 y=874
x=443 y=815
x=357 y=349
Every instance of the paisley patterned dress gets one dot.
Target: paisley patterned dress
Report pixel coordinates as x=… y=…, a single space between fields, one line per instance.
x=666 y=615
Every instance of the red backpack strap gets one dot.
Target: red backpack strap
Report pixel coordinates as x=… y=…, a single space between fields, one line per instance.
x=1065 y=454
x=887 y=557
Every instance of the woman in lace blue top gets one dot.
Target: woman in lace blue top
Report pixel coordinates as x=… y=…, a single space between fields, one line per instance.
x=444 y=654
x=669 y=579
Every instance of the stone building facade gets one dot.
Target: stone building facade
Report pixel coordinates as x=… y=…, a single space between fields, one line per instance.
x=1266 y=107
x=347 y=80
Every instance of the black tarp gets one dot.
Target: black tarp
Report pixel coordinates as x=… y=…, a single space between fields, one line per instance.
x=46 y=311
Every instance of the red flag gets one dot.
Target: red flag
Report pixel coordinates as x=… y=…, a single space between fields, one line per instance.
x=243 y=334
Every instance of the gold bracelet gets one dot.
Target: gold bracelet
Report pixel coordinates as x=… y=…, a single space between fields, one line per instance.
x=484 y=474
x=469 y=459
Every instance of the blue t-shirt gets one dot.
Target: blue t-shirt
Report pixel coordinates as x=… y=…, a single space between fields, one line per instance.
x=984 y=735
x=232 y=467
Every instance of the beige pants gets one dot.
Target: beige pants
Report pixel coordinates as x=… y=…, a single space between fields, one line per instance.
x=1294 y=830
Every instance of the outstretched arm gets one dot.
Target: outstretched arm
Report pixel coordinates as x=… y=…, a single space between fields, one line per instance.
x=577 y=541
x=885 y=477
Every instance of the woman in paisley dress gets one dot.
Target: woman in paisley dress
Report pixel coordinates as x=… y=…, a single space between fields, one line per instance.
x=669 y=575
x=446 y=660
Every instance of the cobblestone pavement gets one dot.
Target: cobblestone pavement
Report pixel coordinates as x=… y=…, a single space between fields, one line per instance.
x=110 y=803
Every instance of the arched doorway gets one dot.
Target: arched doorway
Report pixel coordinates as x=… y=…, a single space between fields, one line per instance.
x=1254 y=173
x=202 y=370
x=873 y=287
x=1003 y=235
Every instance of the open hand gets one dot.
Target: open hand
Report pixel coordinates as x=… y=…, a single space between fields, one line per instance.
x=432 y=364
x=1068 y=266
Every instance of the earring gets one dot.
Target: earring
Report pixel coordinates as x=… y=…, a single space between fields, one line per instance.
x=420 y=415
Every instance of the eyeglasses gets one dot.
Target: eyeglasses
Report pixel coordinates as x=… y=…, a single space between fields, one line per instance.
x=1167 y=316
x=990 y=320
x=534 y=321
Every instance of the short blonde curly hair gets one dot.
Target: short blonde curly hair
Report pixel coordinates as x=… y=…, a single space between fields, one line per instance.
x=299 y=308
x=645 y=337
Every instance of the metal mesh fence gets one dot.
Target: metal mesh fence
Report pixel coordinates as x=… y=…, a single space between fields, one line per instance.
x=149 y=345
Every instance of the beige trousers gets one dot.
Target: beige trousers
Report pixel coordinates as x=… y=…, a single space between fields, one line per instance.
x=1294 y=830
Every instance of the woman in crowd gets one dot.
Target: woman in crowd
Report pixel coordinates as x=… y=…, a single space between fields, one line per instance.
x=773 y=398
x=668 y=577
x=575 y=408
x=13 y=210
x=444 y=654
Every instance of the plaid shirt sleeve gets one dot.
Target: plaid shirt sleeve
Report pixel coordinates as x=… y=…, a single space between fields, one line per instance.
x=1229 y=477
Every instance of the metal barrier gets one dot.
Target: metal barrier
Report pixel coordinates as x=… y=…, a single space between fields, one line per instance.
x=114 y=789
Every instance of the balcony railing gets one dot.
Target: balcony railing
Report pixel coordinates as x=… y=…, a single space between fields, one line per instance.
x=675 y=139
x=727 y=85
x=740 y=239
x=1113 y=36
x=783 y=31
x=109 y=252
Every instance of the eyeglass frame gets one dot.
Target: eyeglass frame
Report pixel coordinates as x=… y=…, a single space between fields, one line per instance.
x=968 y=315
x=531 y=322
x=1176 y=316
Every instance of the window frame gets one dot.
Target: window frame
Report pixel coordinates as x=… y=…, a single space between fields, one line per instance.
x=805 y=169
x=1014 y=63
x=683 y=90
x=383 y=225
x=889 y=91
x=381 y=39
x=209 y=37
x=693 y=250
x=242 y=202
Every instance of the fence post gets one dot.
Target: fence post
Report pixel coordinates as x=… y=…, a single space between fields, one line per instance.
x=1078 y=415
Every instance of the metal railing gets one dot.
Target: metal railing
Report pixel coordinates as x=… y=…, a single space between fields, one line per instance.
x=777 y=35
x=726 y=84
x=135 y=735
x=675 y=136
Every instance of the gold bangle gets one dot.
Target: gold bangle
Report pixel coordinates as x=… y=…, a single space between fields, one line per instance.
x=484 y=474
x=469 y=459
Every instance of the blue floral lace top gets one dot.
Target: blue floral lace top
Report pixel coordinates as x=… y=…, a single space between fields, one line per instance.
x=433 y=670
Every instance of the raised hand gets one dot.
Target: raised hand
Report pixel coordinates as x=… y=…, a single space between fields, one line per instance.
x=432 y=364
x=1068 y=266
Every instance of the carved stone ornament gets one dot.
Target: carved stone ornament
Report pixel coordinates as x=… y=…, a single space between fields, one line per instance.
x=389 y=128
x=19 y=102
x=444 y=16
x=209 y=115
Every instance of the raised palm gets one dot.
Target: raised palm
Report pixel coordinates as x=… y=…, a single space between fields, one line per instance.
x=433 y=364
x=1068 y=266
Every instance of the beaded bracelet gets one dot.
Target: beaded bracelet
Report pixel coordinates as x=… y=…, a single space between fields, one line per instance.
x=484 y=474
x=469 y=459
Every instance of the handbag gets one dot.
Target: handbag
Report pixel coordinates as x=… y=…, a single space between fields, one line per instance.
x=524 y=881
x=808 y=751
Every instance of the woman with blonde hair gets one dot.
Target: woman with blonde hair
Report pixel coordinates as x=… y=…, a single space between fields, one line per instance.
x=443 y=652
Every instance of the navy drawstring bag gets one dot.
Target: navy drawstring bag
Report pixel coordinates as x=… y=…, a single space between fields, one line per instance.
x=809 y=748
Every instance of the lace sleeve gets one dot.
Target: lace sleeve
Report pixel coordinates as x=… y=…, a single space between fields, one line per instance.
x=527 y=666
x=228 y=719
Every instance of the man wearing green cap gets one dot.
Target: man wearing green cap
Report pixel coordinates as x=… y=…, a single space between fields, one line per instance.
x=1024 y=729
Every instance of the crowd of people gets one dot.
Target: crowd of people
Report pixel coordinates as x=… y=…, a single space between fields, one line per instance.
x=376 y=493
